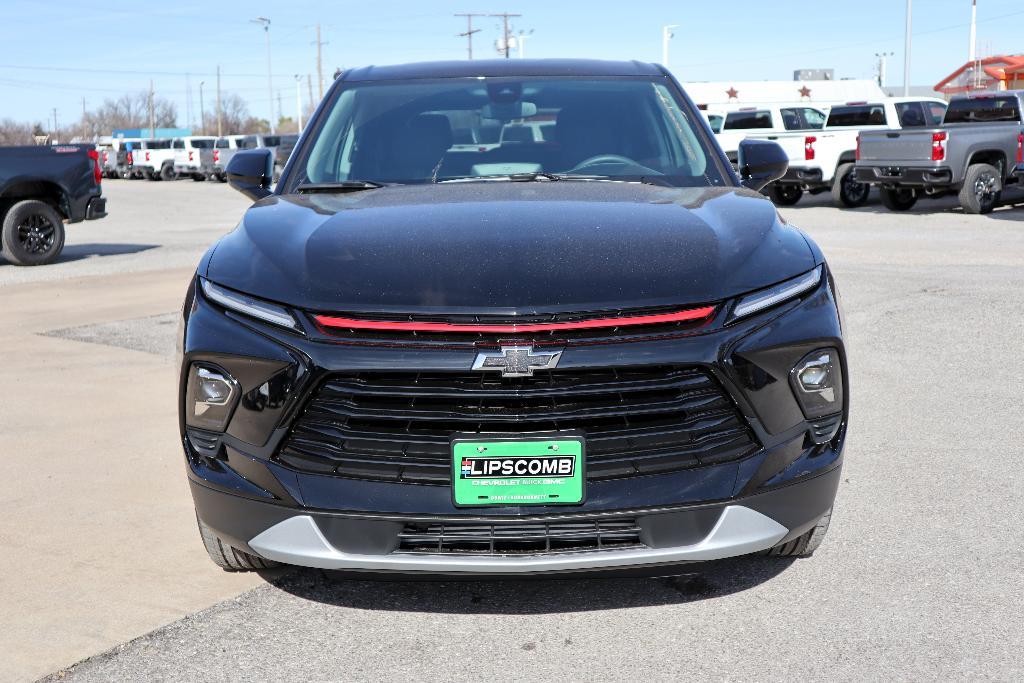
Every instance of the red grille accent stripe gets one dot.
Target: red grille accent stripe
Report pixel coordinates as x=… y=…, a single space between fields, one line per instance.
x=703 y=313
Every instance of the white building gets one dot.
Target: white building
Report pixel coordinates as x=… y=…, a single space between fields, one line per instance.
x=730 y=94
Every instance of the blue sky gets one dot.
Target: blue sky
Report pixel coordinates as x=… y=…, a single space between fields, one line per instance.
x=59 y=52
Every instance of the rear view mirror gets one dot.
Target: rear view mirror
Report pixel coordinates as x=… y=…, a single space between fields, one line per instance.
x=507 y=111
x=760 y=162
x=251 y=172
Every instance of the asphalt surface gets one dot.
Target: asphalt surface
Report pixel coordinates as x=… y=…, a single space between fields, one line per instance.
x=920 y=577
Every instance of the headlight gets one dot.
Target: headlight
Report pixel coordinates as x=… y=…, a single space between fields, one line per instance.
x=251 y=306
x=765 y=298
x=210 y=398
x=818 y=383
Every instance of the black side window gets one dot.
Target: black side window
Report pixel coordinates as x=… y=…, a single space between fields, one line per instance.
x=745 y=120
x=911 y=114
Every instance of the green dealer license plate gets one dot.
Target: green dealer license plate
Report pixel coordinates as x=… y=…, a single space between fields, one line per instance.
x=517 y=471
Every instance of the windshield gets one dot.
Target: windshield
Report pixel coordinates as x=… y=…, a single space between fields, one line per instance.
x=454 y=129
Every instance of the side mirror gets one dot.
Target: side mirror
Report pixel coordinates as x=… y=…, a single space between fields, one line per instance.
x=251 y=172
x=760 y=162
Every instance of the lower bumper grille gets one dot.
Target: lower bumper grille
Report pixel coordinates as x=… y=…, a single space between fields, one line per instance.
x=522 y=538
x=397 y=426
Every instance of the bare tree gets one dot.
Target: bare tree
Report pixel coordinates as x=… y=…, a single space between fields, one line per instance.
x=17 y=133
x=128 y=111
x=234 y=117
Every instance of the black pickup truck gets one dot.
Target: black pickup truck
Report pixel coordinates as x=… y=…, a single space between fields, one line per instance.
x=41 y=188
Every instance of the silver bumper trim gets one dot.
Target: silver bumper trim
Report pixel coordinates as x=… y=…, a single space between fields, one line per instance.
x=299 y=541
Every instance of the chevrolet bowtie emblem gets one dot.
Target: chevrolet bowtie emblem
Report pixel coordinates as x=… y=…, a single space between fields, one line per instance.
x=516 y=361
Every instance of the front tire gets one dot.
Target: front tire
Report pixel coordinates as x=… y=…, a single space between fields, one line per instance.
x=227 y=558
x=899 y=199
x=785 y=195
x=805 y=544
x=846 y=190
x=32 y=233
x=982 y=189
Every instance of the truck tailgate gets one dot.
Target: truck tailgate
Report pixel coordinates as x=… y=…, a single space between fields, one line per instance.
x=896 y=147
x=791 y=143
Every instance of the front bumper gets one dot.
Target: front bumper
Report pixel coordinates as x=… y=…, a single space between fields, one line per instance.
x=338 y=541
x=256 y=502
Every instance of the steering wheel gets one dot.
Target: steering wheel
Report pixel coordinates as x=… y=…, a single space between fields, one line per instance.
x=602 y=159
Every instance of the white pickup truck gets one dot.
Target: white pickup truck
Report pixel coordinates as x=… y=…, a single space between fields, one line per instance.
x=823 y=161
x=186 y=155
x=154 y=159
x=745 y=122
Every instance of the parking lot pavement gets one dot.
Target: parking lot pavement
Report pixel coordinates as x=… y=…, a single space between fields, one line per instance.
x=97 y=545
x=919 y=578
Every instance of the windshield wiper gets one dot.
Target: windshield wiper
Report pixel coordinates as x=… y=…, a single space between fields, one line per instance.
x=340 y=186
x=656 y=180
x=527 y=177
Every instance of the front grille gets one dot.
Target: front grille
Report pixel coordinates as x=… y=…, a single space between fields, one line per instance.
x=455 y=338
x=527 y=538
x=397 y=426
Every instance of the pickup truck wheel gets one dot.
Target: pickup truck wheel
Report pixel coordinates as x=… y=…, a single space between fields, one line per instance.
x=806 y=544
x=899 y=198
x=33 y=233
x=982 y=189
x=198 y=177
x=785 y=195
x=846 y=190
x=167 y=172
x=154 y=176
x=228 y=558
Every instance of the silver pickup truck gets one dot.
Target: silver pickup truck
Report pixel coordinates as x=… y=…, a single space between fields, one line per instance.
x=977 y=151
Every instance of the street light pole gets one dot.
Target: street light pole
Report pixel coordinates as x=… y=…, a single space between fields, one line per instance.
x=202 y=112
x=666 y=35
x=298 y=100
x=265 y=23
x=906 y=52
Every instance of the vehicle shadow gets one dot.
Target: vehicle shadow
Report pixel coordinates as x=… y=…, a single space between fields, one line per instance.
x=542 y=595
x=77 y=252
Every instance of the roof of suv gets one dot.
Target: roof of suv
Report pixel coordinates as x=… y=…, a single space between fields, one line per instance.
x=502 y=67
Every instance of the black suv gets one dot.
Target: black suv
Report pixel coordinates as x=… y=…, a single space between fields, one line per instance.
x=435 y=348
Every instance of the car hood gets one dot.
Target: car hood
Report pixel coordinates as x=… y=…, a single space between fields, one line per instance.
x=509 y=248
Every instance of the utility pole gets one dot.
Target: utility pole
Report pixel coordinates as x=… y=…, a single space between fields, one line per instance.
x=468 y=35
x=219 y=131
x=280 y=109
x=906 y=51
x=882 y=58
x=971 y=51
x=265 y=23
x=298 y=100
x=152 y=120
x=83 y=117
x=666 y=35
x=319 y=62
x=188 y=102
x=56 y=136
x=202 y=112
x=309 y=82
x=506 y=41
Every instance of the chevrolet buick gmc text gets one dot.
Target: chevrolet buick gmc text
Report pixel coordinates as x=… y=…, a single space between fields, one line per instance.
x=437 y=346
